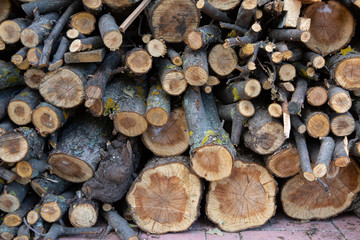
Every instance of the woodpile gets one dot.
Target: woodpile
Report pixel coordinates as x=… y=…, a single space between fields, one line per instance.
x=134 y=110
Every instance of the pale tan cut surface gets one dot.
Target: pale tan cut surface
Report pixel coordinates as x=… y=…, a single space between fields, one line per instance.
x=252 y=88
x=196 y=75
x=19 y=112
x=318 y=125
x=9 y=31
x=84 y=22
x=13 y=147
x=139 y=61
x=340 y=102
x=347 y=73
x=165 y=199
x=9 y=203
x=113 y=40
x=245 y=199
x=174 y=83
x=12 y=220
x=83 y=215
x=222 y=60
x=45 y=120
x=284 y=162
x=50 y=212
x=157 y=116
x=224 y=5
x=29 y=38
x=130 y=123
x=24 y=169
x=92 y=4
x=317 y=96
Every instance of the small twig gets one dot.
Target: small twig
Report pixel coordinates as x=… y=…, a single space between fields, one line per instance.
x=29 y=227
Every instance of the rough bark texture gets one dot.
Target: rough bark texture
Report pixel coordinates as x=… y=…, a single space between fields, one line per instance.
x=341 y=153
x=86 y=44
x=53 y=207
x=57 y=59
x=31 y=168
x=5 y=96
x=57 y=230
x=304 y=156
x=157 y=106
x=10 y=76
x=120 y=225
x=110 y=33
x=12 y=196
x=46 y=184
x=324 y=157
x=298 y=97
x=235 y=91
x=45 y=6
x=171 y=76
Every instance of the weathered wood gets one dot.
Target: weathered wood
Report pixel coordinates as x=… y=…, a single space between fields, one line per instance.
x=53 y=207
x=83 y=212
x=10 y=76
x=57 y=59
x=235 y=91
x=156 y=47
x=317 y=124
x=138 y=60
x=341 y=153
x=315 y=60
x=174 y=175
x=174 y=57
x=304 y=156
x=57 y=230
x=339 y=99
x=246 y=13
x=36 y=222
x=120 y=225
x=7 y=233
x=34 y=54
x=19 y=56
x=306 y=71
x=33 y=77
x=290 y=35
x=49 y=184
x=12 y=196
x=202 y=36
x=110 y=33
x=84 y=22
x=210 y=10
x=222 y=60
x=224 y=5
x=342 y=125
x=115 y=5
x=171 y=77
x=15 y=218
x=5 y=10
x=324 y=157
x=86 y=44
x=157 y=106
x=31 y=168
x=316 y=96
x=297 y=124
x=298 y=97
x=287 y=72
x=7 y=175
x=45 y=6
x=292 y=9
x=131 y=18
x=93 y=5
x=5 y=96
x=275 y=110
x=10 y=30
x=94 y=56
x=23 y=233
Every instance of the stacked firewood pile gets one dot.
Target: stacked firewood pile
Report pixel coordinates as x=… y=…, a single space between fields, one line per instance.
x=228 y=94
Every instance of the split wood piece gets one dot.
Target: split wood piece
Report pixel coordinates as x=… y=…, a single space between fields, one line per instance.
x=31 y=168
x=24 y=65
x=236 y=91
x=83 y=212
x=302 y=199
x=307 y=171
x=53 y=36
x=156 y=47
x=20 y=144
x=45 y=6
x=283 y=96
x=120 y=225
x=341 y=153
x=345 y=70
x=246 y=13
x=222 y=60
x=12 y=196
x=284 y=162
x=303 y=23
x=53 y=207
x=110 y=33
x=86 y=44
x=324 y=157
x=171 y=77
x=93 y=56
x=185 y=16
x=131 y=18
x=211 y=151
x=195 y=65
x=19 y=56
x=34 y=54
x=180 y=186
x=210 y=10
x=78 y=150
x=49 y=184
x=298 y=97
x=275 y=110
x=171 y=139
x=317 y=124
x=238 y=113
x=94 y=6
x=84 y=22
x=21 y=106
x=10 y=30
x=316 y=96
x=339 y=99
x=224 y=5
x=287 y=86
x=8 y=233
x=157 y=106
x=297 y=124
x=287 y=72
x=74 y=34
x=7 y=175
x=138 y=60
x=292 y=9
x=306 y=71
x=15 y=219
x=342 y=125
x=315 y=60
x=5 y=10
x=6 y=126
x=57 y=59
x=23 y=233
x=265 y=134
x=33 y=77
x=5 y=96
x=250 y=190
x=35 y=34
x=65 y=87
x=174 y=57
x=57 y=230
x=202 y=36
x=115 y=172
x=283 y=48
x=10 y=76
x=246 y=51
x=289 y=35
x=332 y=27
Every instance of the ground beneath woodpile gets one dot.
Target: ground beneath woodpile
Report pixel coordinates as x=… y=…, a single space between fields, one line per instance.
x=343 y=227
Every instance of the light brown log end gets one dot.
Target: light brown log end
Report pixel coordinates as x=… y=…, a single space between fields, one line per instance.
x=29 y=38
x=246 y=108
x=317 y=96
x=9 y=202
x=318 y=125
x=19 y=112
x=156 y=48
x=10 y=31
x=285 y=162
x=33 y=77
x=83 y=215
x=139 y=61
x=222 y=60
x=196 y=75
x=157 y=116
x=84 y=22
x=130 y=123
x=113 y=40
x=45 y=120
x=32 y=217
x=24 y=169
x=13 y=147
x=50 y=212
x=287 y=72
x=275 y=110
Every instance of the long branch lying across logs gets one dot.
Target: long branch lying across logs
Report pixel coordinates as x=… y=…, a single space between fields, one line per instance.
x=236 y=93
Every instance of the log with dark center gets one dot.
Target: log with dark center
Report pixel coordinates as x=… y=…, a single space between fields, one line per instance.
x=138 y=60
x=171 y=76
x=53 y=207
x=12 y=196
x=31 y=168
x=110 y=33
x=222 y=60
x=33 y=77
x=15 y=218
x=10 y=30
x=157 y=106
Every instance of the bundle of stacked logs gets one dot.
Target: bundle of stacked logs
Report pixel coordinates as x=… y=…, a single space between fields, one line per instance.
x=116 y=111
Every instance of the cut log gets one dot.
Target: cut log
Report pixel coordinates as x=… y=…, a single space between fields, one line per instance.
x=7 y=233
x=31 y=168
x=19 y=56
x=94 y=56
x=171 y=77
x=324 y=157
x=298 y=97
x=86 y=44
x=245 y=199
x=202 y=36
x=78 y=150
x=297 y=124
x=5 y=96
x=302 y=199
x=235 y=91
x=316 y=96
x=7 y=175
x=23 y=233
x=156 y=47
x=222 y=60
x=120 y=225
x=284 y=162
x=20 y=144
x=65 y=87
x=246 y=14
x=84 y=22
x=158 y=106
x=6 y=126
x=5 y=10
x=171 y=21
x=339 y=99
x=332 y=27
x=341 y=153
x=20 y=107
x=45 y=6
x=48 y=118
x=57 y=60
x=83 y=212
x=10 y=76
x=307 y=172
x=24 y=64
x=211 y=151
x=246 y=51
x=110 y=33
x=118 y=5
x=33 y=77
x=15 y=219
x=93 y=5
x=342 y=125
x=317 y=124
x=57 y=230
x=10 y=30
x=12 y=196
x=283 y=48
x=289 y=35
x=292 y=9
x=287 y=72
x=265 y=134
x=49 y=184
x=315 y=60
x=174 y=57
x=275 y=110
x=171 y=139
x=195 y=65
x=53 y=207
x=224 y=5
x=306 y=71
x=34 y=34
x=138 y=60
x=34 y=54
x=212 y=11
x=175 y=177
